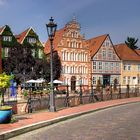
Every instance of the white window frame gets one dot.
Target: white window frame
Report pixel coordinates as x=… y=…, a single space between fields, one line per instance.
x=6 y=51
x=7 y=38
x=94 y=65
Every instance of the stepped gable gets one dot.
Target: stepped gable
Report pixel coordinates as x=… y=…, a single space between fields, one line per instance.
x=57 y=39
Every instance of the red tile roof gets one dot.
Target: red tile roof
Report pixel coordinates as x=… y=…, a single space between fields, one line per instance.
x=125 y=53
x=20 y=38
x=57 y=39
x=138 y=52
x=94 y=44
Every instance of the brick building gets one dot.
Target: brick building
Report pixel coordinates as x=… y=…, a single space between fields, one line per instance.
x=73 y=53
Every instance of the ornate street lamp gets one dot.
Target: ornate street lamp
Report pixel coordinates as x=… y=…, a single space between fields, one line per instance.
x=51 y=29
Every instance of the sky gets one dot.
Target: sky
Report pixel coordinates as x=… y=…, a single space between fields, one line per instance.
x=118 y=18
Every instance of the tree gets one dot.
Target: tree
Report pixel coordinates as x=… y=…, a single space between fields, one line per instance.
x=20 y=62
x=56 y=67
x=24 y=66
x=131 y=43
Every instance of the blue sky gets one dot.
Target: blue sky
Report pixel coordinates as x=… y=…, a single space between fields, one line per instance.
x=119 y=18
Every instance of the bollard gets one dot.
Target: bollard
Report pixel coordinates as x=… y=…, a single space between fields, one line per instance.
x=111 y=92
x=120 y=92
x=67 y=103
x=127 y=91
x=30 y=103
x=91 y=95
x=81 y=99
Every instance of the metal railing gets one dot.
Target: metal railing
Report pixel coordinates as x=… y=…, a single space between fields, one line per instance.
x=37 y=98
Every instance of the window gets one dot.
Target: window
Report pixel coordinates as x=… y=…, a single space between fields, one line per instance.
x=62 y=69
x=111 y=67
x=124 y=80
x=104 y=54
x=100 y=65
x=94 y=80
x=94 y=65
x=68 y=44
x=6 y=50
x=124 y=67
x=79 y=45
x=129 y=67
x=128 y=80
x=40 y=53
x=7 y=38
x=117 y=66
x=33 y=52
x=107 y=43
x=138 y=67
x=110 y=54
x=31 y=40
x=106 y=66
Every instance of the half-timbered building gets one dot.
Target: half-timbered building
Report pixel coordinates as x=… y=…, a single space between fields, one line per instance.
x=105 y=63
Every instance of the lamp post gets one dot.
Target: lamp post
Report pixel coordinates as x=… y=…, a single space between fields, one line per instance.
x=51 y=29
x=80 y=82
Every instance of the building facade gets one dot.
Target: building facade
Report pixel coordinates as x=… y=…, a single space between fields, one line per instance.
x=30 y=38
x=105 y=62
x=130 y=65
x=73 y=53
x=8 y=40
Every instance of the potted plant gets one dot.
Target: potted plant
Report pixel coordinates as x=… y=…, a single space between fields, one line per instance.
x=5 y=111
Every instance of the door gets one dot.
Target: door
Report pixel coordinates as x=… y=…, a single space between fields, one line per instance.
x=134 y=82
x=73 y=83
x=106 y=80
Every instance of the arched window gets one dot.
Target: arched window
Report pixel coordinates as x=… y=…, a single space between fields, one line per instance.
x=68 y=44
x=68 y=56
x=71 y=44
x=79 y=45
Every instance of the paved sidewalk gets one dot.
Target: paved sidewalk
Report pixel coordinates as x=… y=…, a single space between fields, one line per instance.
x=33 y=121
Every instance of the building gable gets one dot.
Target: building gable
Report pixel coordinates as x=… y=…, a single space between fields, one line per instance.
x=29 y=37
x=8 y=39
x=106 y=51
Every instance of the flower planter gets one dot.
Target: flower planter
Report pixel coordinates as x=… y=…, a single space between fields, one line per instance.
x=5 y=114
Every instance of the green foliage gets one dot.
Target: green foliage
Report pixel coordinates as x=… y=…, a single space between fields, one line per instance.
x=25 y=93
x=131 y=43
x=7 y=32
x=5 y=80
x=33 y=35
x=26 y=67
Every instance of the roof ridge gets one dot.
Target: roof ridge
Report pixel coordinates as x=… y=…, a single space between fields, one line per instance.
x=2 y=28
x=98 y=36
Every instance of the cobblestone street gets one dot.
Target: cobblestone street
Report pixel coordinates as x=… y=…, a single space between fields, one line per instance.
x=118 y=123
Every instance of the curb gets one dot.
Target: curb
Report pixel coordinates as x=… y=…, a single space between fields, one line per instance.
x=25 y=129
